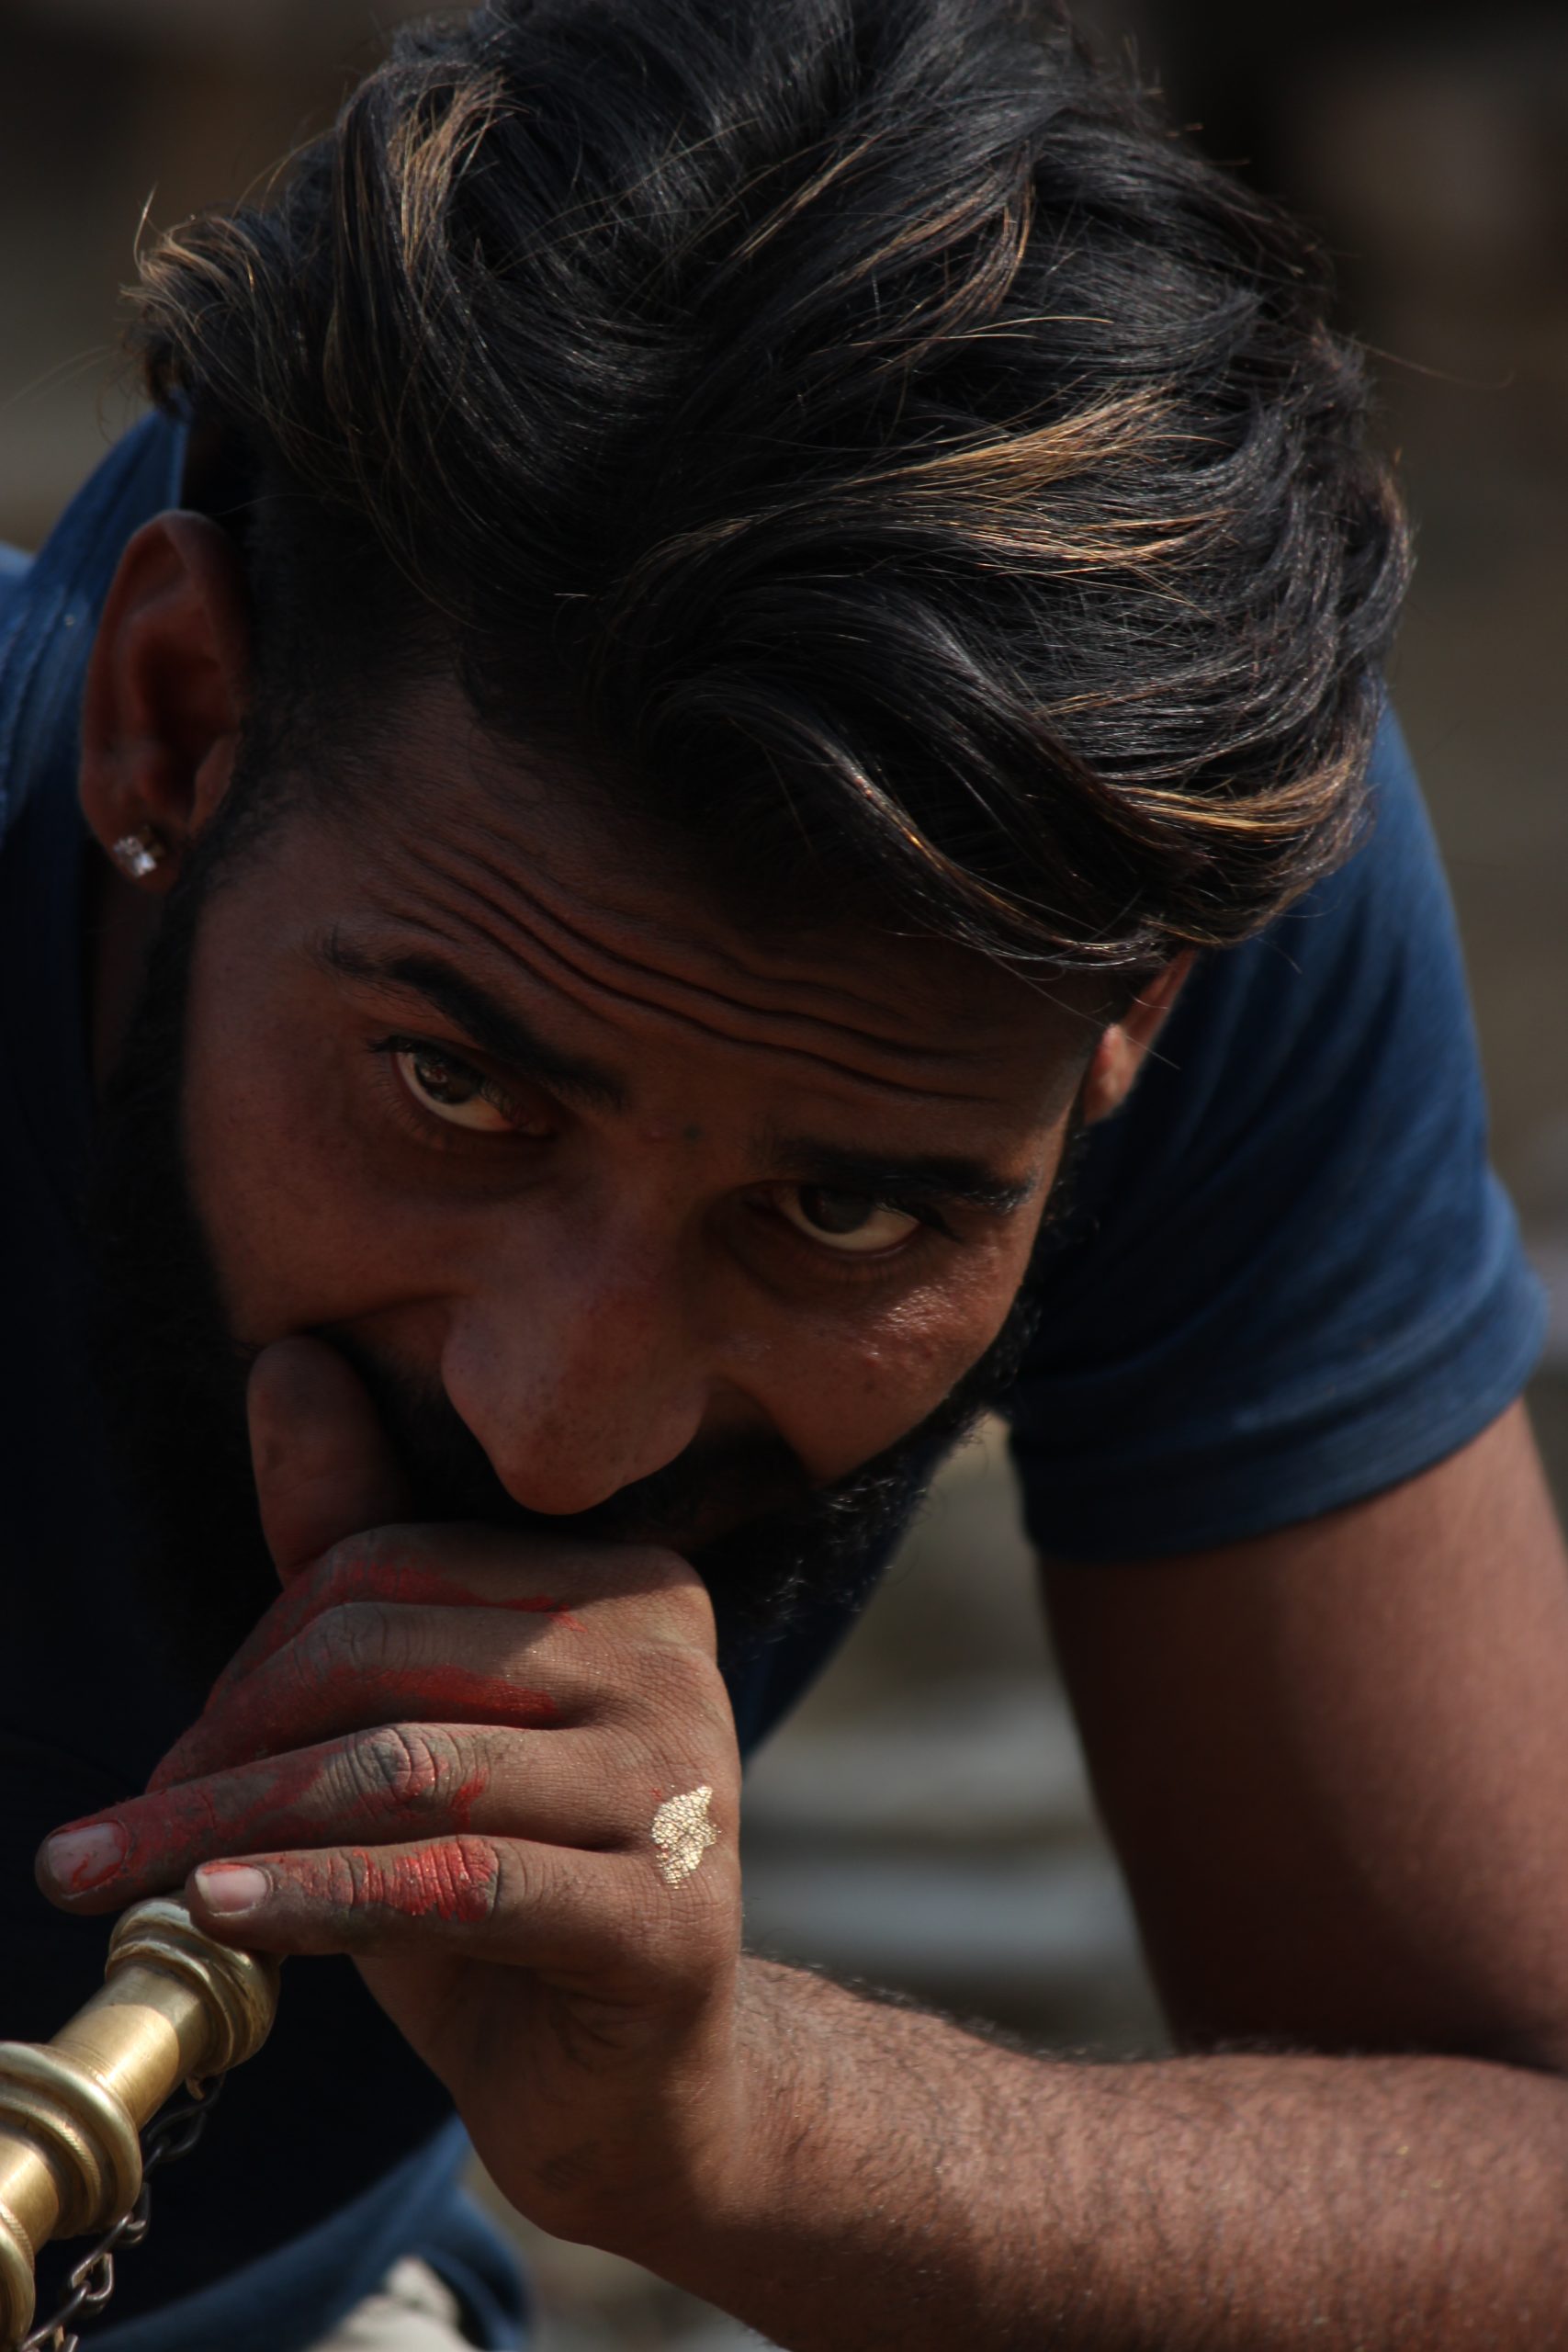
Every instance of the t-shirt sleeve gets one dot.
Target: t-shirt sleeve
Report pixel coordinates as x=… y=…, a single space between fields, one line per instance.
x=1288 y=1278
x=14 y=568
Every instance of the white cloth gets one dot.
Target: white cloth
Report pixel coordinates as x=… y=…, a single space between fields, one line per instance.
x=411 y=2311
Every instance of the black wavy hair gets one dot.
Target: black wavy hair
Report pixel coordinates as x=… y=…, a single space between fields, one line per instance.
x=859 y=433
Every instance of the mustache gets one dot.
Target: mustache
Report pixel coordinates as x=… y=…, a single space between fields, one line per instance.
x=739 y=1506
x=715 y=1483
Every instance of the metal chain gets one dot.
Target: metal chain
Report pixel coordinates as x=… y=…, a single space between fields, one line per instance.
x=91 y=2283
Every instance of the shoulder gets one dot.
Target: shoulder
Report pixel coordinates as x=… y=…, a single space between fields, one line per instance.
x=1290 y=1278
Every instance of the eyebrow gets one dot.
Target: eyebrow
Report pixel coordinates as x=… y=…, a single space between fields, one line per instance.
x=486 y=1023
x=934 y=1176
x=483 y=1019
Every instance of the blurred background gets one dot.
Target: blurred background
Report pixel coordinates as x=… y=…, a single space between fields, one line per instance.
x=1428 y=143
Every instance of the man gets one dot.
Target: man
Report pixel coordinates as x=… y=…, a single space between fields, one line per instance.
x=723 y=724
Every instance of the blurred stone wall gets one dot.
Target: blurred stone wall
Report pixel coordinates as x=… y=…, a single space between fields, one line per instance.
x=111 y=110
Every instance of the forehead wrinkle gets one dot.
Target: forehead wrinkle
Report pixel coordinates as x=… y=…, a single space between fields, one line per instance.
x=590 y=985
x=514 y=959
x=1050 y=993
x=781 y=968
x=664 y=989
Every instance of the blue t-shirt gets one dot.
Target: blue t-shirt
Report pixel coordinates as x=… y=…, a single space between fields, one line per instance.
x=1288 y=1280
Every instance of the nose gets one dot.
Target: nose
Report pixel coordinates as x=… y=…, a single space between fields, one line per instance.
x=581 y=1377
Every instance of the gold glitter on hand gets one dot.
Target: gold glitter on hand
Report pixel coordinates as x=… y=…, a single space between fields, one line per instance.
x=683 y=1832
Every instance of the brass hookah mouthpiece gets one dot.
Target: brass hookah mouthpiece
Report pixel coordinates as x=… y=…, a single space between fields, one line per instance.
x=174 y=2007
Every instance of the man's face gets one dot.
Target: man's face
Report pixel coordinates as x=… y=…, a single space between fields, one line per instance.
x=478 y=1087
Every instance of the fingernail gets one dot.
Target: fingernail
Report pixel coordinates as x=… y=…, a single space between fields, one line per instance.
x=232 y=1886
x=78 y=1859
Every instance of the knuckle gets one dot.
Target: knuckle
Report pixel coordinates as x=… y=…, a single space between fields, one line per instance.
x=690 y=1605
x=648 y=1567
x=401 y=1768
x=647 y=1571
x=675 y=1678
x=685 y=1604
x=358 y=1637
x=339 y=1563
x=343 y=1570
x=687 y=1707
x=479 y=1874
x=361 y=1568
x=353 y=1643
x=456 y=1880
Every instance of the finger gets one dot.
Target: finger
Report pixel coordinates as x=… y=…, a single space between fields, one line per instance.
x=496 y=1899
x=324 y=1466
x=366 y=1665
x=380 y=1787
x=446 y=1567
x=370 y=1662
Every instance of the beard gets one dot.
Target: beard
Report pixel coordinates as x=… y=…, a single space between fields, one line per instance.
x=174 y=1379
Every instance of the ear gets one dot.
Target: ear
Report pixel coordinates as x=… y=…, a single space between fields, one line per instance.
x=1122 y=1051
x=167 y=683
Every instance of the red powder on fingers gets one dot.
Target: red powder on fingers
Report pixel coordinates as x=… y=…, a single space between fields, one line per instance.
x=467 y=1795
x=102 y=1847
x=292 y=1799
x=556 y=1608
x=272 y=1712
x=452 y=1879
x=270 y=1808
x=407 y=1584
x=401 y=1583
x=161 y=1835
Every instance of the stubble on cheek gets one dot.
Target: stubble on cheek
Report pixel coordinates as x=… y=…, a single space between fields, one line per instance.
x=271 y=1124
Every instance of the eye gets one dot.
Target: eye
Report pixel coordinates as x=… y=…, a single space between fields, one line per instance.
x=452 y=1090
x=852 y=1223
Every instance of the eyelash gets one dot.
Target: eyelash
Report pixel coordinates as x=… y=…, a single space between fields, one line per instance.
x=845 y=1265
x=930 y=1219
x=443 y=1133
x=446 y=1137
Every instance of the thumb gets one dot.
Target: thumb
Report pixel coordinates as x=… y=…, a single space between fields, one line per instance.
x=324 y=1466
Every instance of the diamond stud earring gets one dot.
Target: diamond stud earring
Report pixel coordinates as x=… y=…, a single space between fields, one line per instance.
x=140 y=854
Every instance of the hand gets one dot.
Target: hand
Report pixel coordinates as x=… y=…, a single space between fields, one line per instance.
x=442 y=1751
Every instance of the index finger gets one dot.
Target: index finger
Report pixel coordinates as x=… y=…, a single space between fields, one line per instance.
x=457 y=1568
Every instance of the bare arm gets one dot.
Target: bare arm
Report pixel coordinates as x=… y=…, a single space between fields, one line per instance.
x=1336 y=1765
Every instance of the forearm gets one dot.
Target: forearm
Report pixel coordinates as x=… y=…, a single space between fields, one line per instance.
x=908 y=2185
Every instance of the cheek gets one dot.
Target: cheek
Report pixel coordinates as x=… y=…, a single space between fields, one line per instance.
x=853 y=1396
x=277 y=1175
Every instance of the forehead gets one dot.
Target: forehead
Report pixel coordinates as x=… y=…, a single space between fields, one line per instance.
x=550 y=891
